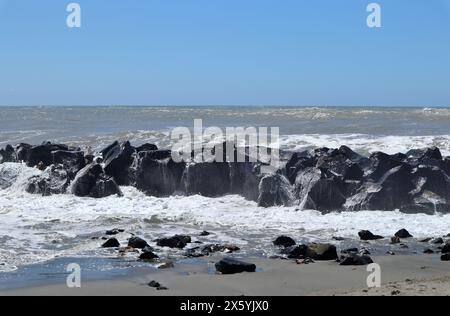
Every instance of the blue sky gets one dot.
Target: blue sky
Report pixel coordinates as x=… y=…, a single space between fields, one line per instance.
x=225 y=52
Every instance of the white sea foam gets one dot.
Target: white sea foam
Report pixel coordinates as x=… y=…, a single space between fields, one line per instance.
x=34 y=228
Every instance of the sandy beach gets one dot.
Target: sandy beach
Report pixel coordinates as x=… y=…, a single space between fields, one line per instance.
x=400 y=275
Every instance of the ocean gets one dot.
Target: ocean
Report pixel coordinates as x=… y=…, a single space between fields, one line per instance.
x=37 y=229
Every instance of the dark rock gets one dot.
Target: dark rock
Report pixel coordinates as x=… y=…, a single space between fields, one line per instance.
x=232 y=266
x=162 y=288
x=438 y=241
x=207 y=179
x=381 y=164
x=138 y=243
x=157 y=174
x=154 y=284
x=426 y=153
x=43 y=154
x=177 y=241
x=403 y=233
x=446 y=248
x=428 y=251
x=445 y=257
x=114 y=231
x=53 y=180
x=8 y=154
x=117 y=161
x=284 y=241
x=319 y=191
x=296 y=252
x=395 y=240
x=356 y=260
x=22 y=151
x=148 y=255
x=72 y=161
x=338 y=238
x=104 y=188
x=86 y=180
x=321 y=252
x=204 y=234
x=367 y=235
x=350 y=250
x=111 y=243
x=230 y=248
x=146 y=147
x=275 y=190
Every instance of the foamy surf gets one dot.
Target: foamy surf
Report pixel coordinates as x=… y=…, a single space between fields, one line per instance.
x=39 y=229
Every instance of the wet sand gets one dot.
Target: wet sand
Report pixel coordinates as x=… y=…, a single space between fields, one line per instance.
x=400 y=275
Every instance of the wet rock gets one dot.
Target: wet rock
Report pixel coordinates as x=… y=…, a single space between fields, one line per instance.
x=207 y=179
x=72 y=161
x=428 y=251
x=445 y=257
x=22 y=151
x=137 y=243
x=338 y=238
x=232 y=266
x=117 y=161
x=114 y=231
x=367 y=235
x=355 y=260
x=54 y=180
x=154 y=284
x=437 y=241
x=111 y=243
x=104 y=188
x=86 y=179
x=321 y=252
x=275 y=190
x=146 y=147
x=148 y=255
x=350 y=250
x=43 y=154
x=296 y=252
x=284 y=241
x=177 y=241
x=204 y=234
x=157 y=174
x=446 y=248
x=403 y=234
x=8 y=154
x=230 y=248
x=395 y=240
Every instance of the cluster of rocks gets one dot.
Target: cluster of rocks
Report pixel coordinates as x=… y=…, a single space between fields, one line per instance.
x=322 y=179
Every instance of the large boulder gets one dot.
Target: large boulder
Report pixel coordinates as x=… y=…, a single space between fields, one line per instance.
x=382 y=163
x=117 y=161
x=209 y=179
x=317 y=190
x=157 y=174
x=427 y=156
x=232 y=266
x=8 y=154
x=403 y=234
x=86 y=179
x=43 y=154
x=275 y=190
x=72 y=161
x=54 y=180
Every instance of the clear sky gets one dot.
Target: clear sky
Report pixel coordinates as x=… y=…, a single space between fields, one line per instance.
x=225 y=52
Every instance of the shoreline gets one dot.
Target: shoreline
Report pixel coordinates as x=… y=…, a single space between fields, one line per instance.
x=400 y=275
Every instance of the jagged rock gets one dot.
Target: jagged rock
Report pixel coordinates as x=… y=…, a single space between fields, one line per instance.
x=177 y=241
x=104 y=188
x=367 y=235
x=355 y=260
x=403 y=233
x=146 y=147
x=426 y=156
x=284 y=241
x=138 y=243
x=8 y=154
x=86 y=180
x=111 y=243
x=54 y=180
x=157 y=174
x=209 y=179
x=275 y=190
x=446 y=165
x=232 y=266
x=382 y=163
x=72 y=161
x=43 y=154
x=316 y=190
x=321 y=252
x=117 y=161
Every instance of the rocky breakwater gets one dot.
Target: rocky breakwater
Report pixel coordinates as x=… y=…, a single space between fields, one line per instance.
x=322 y=179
